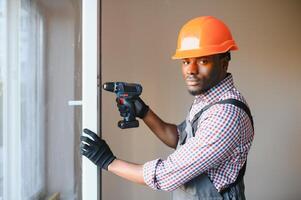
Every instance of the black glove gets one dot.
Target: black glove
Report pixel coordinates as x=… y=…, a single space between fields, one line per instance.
x=140 y=108
x=96 y=150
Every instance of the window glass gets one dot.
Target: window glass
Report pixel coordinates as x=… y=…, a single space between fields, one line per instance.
x=32 y=122
x=2 y=63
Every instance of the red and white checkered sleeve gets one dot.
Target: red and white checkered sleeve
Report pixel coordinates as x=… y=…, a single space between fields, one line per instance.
x=216 y=137
x=149 y=173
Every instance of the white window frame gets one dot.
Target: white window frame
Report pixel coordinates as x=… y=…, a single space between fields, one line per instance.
x=90 y=51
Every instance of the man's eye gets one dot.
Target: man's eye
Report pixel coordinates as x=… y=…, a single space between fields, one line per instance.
x=185 y=62
x=203 y=62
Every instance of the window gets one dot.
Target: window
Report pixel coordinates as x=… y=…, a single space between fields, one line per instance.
x=21 y=100
x=40 y=71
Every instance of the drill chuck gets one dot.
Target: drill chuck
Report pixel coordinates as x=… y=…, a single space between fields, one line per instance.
x=109 y=86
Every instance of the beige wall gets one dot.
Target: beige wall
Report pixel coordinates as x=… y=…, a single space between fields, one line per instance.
x=138 y=39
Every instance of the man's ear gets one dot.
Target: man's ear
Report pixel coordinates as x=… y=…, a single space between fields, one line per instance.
x=225 y=64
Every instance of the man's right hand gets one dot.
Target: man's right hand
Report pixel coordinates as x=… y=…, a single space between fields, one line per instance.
x=140 y=107
x=166 y=132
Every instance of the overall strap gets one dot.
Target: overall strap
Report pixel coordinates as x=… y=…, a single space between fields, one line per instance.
x=234 y=102
x=239 y=104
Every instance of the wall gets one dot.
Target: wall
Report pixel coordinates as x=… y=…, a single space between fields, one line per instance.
x=138 y=39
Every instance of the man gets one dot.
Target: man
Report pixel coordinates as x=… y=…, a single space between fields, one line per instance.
x=213 y=142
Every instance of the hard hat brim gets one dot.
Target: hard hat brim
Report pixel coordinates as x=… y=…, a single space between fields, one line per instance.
x=193 y=53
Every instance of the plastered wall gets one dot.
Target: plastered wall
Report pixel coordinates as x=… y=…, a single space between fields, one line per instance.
x=138 y=39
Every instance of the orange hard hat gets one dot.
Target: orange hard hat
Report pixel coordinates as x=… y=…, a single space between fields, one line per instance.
x=204 y=36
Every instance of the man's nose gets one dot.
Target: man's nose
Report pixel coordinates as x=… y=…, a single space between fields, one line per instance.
x=192 y=68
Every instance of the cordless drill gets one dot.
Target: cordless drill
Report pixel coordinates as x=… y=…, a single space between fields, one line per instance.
x=125 y=93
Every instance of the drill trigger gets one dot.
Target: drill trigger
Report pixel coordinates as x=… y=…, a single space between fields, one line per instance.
x=121 y=101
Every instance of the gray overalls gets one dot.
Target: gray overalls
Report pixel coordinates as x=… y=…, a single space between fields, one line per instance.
x=201 y=187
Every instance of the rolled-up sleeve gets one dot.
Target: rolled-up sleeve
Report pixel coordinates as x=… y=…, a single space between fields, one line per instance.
x=149 y=173
x=216 y=138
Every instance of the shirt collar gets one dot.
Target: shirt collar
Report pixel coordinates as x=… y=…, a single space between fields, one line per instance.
x=215 y=93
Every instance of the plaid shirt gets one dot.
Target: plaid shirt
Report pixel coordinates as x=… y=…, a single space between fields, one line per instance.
x=219 y=149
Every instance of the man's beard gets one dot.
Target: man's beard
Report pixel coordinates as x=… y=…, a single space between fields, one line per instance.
x=196 y=92
x=199 y=89
x=205 y=86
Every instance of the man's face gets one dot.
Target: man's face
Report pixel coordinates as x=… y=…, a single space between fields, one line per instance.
x=202 y=73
